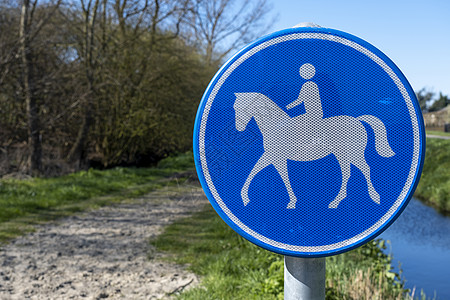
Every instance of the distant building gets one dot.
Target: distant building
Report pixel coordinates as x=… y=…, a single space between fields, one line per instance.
x=438 y=120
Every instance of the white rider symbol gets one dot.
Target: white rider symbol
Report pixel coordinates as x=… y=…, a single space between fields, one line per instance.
x=309 y=94
x=308 y=137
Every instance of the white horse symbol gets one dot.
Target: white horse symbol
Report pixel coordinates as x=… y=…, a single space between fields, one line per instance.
x=308 y=137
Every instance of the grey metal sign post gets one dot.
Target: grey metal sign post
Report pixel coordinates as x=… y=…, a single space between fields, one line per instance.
x=304 y=278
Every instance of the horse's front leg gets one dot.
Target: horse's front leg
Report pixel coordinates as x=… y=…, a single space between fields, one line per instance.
x=281 y=166
x=262 y=162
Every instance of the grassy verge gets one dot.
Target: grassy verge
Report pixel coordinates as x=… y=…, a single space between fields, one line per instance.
x=440 y=133
x=434 y=185
x=232 y=268
x=24 y=203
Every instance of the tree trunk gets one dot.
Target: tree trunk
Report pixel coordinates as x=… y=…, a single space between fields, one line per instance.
x=77 y=150
x=90 y=21
x=32 y=113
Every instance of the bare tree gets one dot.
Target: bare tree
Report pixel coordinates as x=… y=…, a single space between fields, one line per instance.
x=221 y=26
x=108 y=31
x=28 y=31
x=8 y=40
x=87 y=48
x=104 y=81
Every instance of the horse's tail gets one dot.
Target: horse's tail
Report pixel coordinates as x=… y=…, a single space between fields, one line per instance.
x=381 y=142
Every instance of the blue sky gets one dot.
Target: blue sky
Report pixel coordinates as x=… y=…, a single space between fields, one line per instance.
x=415 y=35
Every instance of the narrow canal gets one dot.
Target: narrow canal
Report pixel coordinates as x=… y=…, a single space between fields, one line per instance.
x=420 y=241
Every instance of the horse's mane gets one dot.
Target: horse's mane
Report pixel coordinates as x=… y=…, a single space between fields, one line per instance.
x=254 y=99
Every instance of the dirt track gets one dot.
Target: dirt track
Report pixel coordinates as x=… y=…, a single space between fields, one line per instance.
x=101 y=254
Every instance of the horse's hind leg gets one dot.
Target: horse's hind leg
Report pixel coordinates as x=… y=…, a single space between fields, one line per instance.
x=365 y=169
x=281 y=166
x=345 y=170
x=262 y=162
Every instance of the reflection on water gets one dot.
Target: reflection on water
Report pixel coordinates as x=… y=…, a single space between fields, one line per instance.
x=420 y=240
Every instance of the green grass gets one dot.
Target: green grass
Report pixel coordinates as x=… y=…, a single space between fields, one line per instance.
x=24 y=203
x=440 y=133
x=233 y=268
x=434 y=185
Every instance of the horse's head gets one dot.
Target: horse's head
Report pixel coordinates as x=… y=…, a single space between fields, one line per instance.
x=243 y=108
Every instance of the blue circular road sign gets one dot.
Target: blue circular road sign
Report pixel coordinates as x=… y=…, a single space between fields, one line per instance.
x=309 y=142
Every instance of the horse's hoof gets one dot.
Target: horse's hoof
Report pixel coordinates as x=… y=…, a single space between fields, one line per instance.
x=244 y=196
x=375 y=197
x=333 y=204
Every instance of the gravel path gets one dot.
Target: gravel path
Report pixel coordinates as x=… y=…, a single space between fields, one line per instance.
x=102 y=254
x=442 y=137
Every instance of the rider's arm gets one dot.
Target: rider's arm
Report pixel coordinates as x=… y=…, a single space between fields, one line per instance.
x=296 y=102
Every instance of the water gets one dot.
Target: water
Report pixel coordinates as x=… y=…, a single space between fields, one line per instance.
x=420 y=240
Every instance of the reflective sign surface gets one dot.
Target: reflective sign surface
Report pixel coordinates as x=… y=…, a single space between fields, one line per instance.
x=309 y=142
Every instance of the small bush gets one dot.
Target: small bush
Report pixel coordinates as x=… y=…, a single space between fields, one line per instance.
x=434 y=185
